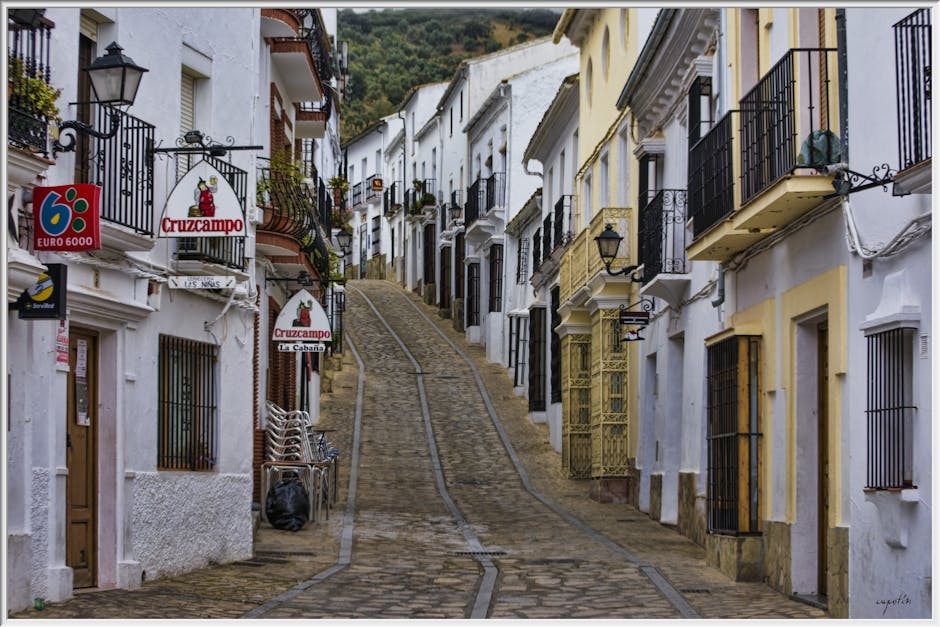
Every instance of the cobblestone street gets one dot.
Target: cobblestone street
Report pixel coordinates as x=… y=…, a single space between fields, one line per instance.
x=439 y=520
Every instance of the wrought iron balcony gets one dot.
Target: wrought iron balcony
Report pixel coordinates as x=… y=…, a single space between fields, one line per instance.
x=912 y=37
x=547 y=228
x=495 y=191
x=475 y=200
x=711 y=180
x=318 y=40
x=536 y=250
x=391 y=198
x=662 y=235
x=562 y=226
x=287 y=202
x=774 y=123
x=356 y=194
x=29 y=73
x=370 y=193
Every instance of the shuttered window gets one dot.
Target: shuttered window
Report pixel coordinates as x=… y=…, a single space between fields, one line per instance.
x=187 y=114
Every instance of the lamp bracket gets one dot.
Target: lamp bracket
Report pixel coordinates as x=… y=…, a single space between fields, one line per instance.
x=195 y=142
x=85 y=129
x=849 y=181
x=636 y=274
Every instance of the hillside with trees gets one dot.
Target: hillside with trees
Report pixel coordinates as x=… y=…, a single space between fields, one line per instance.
x=392 y=50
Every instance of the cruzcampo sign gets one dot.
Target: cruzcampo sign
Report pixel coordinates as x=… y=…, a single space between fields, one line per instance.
x=302 y=319
x=203 y=204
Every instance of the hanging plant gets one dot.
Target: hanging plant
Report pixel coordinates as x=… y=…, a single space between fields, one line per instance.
x=340 y=183
x=31 y=92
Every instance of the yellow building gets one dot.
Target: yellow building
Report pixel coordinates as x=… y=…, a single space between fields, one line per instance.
x=598 y=427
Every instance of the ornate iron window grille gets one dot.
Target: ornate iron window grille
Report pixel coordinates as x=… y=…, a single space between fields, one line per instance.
x=662 y=235
x=522 y=261
x=496 y=278
x=537 y=359
x=711 y=181
x=473 y=294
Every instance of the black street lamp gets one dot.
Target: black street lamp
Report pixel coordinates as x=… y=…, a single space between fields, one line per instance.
x=608 y=244
x=344 y=239
x=114 y=80
x=455 y=211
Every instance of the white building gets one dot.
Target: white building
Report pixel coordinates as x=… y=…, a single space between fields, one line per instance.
x=135 y=460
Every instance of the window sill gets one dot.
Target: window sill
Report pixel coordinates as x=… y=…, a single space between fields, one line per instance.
x=896 y=510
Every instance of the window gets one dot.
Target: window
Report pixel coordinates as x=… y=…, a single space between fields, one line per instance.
x=365 y=168
x=537 y=359
x=605 y=52
x=522 y=261
x=496 y=278
x=86 y=54
x=473 y=295
x=459 y=254
x=451 y=117
x=376 y=234
x=587 y=209
x=187 y=399
x=890 y=409
x=615 y=392
x=733 y=437
x=378 y=163
x=604 y=190
x=588 y=81
x=522 y=350
x=461 y=105
x=623 y=152
x=700 y=122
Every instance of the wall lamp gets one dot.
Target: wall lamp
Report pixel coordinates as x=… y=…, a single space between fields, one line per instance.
x=114 y=80
x=455 y=212
x=344 y=239
x=608 y=243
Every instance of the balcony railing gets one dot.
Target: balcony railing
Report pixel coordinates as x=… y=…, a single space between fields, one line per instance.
x=324 y=206
x=289 y=203
x=495 y=191
x=547 y=228
x=319 y=48
x=391 y=198
x=563 y=213
x=29 y=71
x=226 y=251
x=912 y=49
x=774 y=123
x=123 y=167
x=711 y=180
x=662 y=235
x=536 y=250
x=475 y=198
x=356 y=194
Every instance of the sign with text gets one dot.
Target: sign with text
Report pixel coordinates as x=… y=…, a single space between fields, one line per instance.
x=376 y=185
x=66 y=217
x=201 y=282
x=45 y=299
x=203 y=204
x=635 y=317
x=300 y=347
x=302 y=319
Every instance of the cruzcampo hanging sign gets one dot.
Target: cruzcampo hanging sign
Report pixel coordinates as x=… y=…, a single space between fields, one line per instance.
x=203 y=204
x=302 y=319
x=65 y=217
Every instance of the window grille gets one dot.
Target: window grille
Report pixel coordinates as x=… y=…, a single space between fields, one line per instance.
x=615 y=392
x=445 y=279
x=473 y=295
x=537 y=250
x=733 y=435
x=522 y=261
x=890 y=409
x=496 y=278
x=912 y=68
x=537 y=359
x=522 y=351
x=460 y=252
x=187 y=398
x=555 y=347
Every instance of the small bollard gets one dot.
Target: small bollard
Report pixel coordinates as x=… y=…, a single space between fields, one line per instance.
x=39 y=603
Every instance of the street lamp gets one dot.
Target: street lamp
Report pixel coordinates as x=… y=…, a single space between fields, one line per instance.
x=455 y=211
x=114 y=80
x=344 y=239
x=608 y=243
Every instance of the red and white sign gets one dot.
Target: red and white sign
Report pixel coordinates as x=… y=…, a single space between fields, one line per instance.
x=203 y=204
x=66 y=217
x=302 y=319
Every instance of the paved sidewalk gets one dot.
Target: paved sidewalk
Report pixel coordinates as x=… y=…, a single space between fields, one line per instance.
x=283 y=559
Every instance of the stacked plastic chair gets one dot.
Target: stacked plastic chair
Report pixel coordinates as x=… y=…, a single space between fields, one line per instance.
x=290 y=452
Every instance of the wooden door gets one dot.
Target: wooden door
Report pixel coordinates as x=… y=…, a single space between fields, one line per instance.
x=81 y=545
x=822 y=346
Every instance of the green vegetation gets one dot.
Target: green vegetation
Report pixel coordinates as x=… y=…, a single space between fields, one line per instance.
x=393 y=50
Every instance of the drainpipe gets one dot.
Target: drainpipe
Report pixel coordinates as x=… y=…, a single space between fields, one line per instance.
x=721 y=287
x=842 y=53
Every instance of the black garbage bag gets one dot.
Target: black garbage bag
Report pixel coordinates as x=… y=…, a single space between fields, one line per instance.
x=287 y=505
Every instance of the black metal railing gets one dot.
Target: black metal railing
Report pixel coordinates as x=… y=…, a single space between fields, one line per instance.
x=711 y=180
x=662 y=235
x=536 y=250
x=289 y=209
x=324 y=206
x=356 y=194
x=123 y=167
x=890 y=409
x=912 y=50
x=547 y=228
x=475 y=199
x=29 y=72
x=317 y=39
x=495 y=191
x=774 y=123
x=563 y=212
x=391 y=198
x=226 y=251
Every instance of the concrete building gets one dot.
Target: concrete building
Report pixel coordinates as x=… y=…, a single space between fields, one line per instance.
x=135 y=460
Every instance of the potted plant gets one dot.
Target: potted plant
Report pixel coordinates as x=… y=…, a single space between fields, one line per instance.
x=31 y=93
